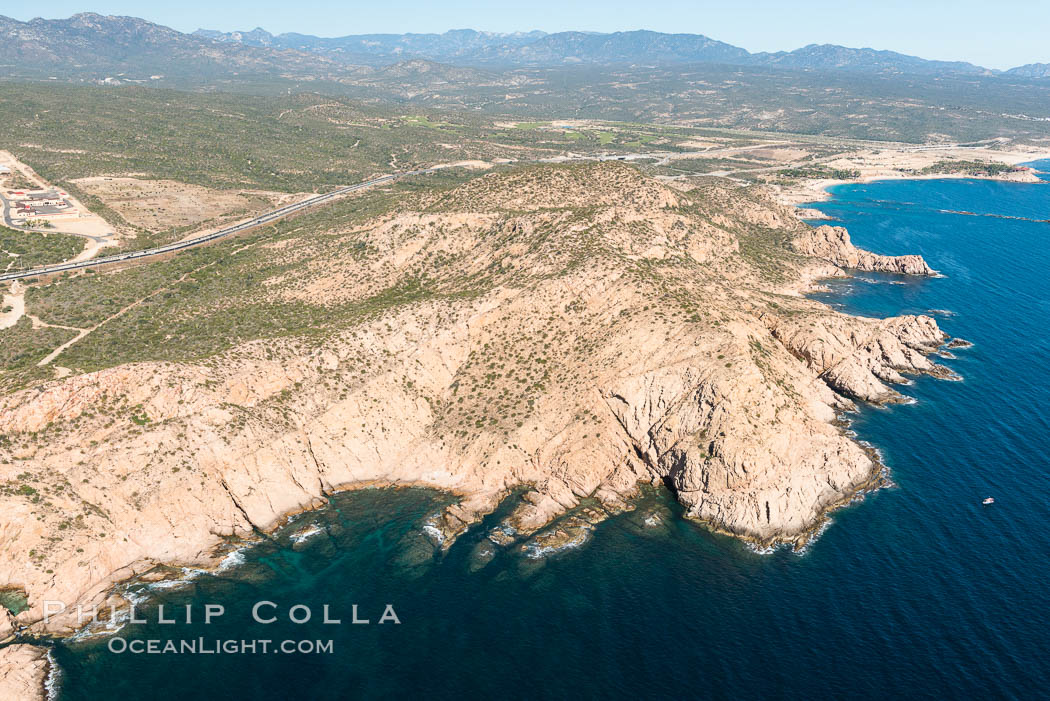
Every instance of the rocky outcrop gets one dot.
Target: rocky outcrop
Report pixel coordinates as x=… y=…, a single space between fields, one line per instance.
x=23 y=672
x=860 y=357
x=631 y=340
x=7 y=625
x=832 y=243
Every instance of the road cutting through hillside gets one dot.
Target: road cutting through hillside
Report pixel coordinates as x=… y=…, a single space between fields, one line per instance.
x=267 y=218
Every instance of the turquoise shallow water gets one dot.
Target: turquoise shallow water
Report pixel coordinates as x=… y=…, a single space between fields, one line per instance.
x=918 y=592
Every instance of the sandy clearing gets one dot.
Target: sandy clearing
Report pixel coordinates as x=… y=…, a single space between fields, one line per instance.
x=91 y=250
x=785 y=154
x=16 y=301
x=9 y=159
x=157 y=205
x=470 y=165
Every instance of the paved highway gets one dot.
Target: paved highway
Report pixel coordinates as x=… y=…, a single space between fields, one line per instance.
x=221 y=233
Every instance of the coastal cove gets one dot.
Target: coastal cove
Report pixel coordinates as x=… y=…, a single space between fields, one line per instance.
x=919 y=590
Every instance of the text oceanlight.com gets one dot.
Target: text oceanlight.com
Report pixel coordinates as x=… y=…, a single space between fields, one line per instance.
x=201 y=646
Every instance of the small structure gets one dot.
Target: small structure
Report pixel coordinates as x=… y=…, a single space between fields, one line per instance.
x=5 y=169
x=41 y=204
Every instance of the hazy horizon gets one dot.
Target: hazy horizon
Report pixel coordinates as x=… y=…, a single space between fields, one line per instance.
x=937 y=30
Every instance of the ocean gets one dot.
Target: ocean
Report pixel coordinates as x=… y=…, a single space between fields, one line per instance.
x=918 y=591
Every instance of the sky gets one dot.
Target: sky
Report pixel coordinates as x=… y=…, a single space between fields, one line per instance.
x=999 y=34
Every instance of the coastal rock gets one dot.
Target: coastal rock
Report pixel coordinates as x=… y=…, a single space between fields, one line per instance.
x=624 y=335
x=569 y=534
x=857 y=357
x=23 y=672
x=750 y=456
x=7 y=625
x=832 y=243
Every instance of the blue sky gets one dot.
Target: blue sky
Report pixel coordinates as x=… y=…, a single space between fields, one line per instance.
x=997 y=34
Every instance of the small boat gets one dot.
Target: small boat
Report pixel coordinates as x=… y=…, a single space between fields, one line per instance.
x=988 y=501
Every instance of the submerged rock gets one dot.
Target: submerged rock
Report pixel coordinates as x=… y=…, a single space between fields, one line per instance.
x=415 y=554
x=570 y=534
x=503 y=535
x=304 y=534
x=482 y=554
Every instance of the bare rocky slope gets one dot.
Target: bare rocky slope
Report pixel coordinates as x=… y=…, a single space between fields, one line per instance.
x=571 y=331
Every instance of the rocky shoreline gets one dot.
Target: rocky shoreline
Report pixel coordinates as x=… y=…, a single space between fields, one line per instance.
x=733 y=403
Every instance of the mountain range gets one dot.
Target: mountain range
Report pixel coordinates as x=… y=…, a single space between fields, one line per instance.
x=93 y=45
x=89 y=45
x=537 y=49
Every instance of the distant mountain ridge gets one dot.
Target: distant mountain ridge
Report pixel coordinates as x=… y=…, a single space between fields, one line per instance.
x=94 y=46
x=621 y=48
x=90 y=46
x=536 y=49
x=450 y=46
x=833 y=57
x=1031 y=70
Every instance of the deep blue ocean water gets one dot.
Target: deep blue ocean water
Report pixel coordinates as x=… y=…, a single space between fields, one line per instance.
x=917 y=592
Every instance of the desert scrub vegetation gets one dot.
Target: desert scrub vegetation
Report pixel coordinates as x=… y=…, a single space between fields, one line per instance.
x=692 y=166
x=817 y=171
x=969 y=168
x=287 y=143
x=435 y=242
x=29 y=249
x=22 y=347
x=206 y=300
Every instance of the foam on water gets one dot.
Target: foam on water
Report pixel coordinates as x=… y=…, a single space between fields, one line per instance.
x=305 y=534
x=53 y=681
x=231 y=560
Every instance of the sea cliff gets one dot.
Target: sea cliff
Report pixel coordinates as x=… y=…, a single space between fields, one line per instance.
x=587 y=330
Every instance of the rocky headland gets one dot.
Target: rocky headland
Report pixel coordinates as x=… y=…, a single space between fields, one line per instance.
x=572 y=332
x=832 y=243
